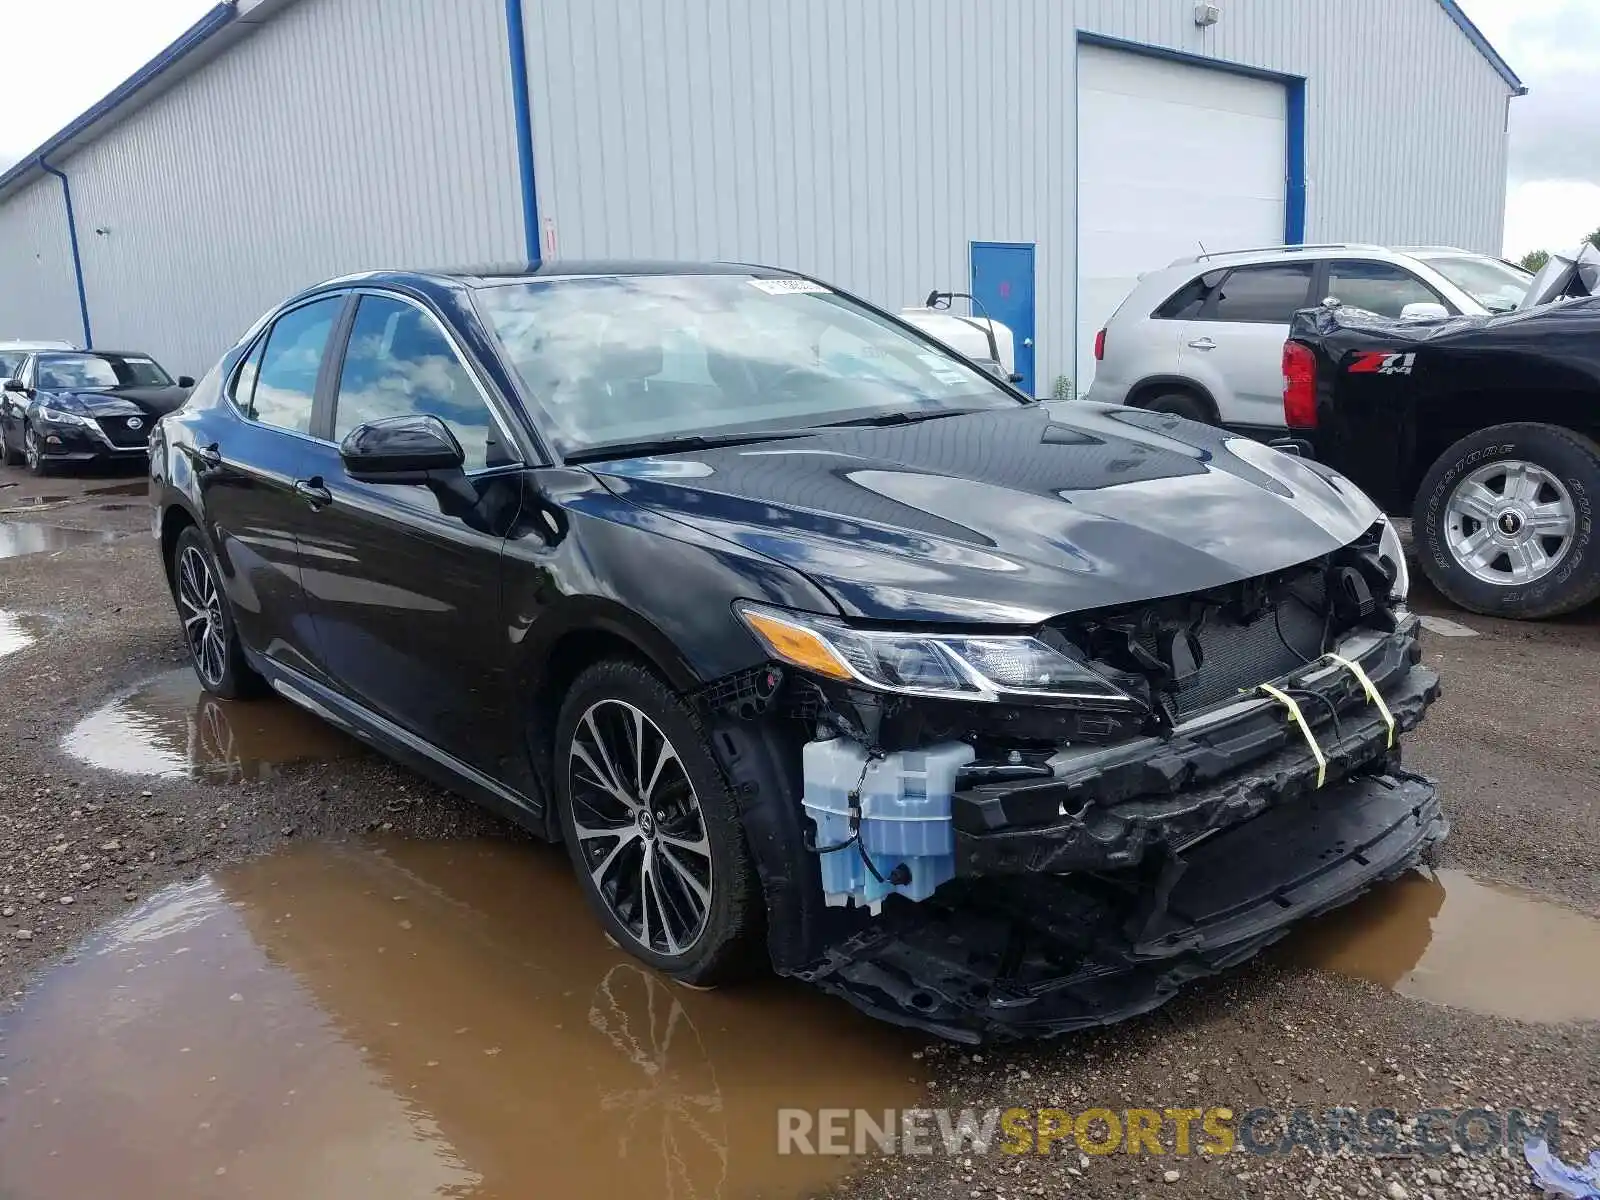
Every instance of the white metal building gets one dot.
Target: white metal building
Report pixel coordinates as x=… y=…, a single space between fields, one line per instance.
x=1042 y=152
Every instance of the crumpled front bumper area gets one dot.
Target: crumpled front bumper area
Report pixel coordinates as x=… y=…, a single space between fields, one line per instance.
x=1091 y=894
x=1034 y=955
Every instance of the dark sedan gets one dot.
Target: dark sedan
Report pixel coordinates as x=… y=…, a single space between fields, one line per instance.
x=79 y=407
x=815 y=644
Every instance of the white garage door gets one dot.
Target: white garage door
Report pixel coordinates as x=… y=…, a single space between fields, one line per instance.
x=1171 y=157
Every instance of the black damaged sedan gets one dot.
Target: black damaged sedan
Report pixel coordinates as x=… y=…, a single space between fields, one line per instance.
x=819 y=648
x=60 y=407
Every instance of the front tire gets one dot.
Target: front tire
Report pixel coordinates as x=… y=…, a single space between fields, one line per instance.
x=1504 y=521
x=207 y=621
x=32 y=452
x=652 y=830
x=10 y=457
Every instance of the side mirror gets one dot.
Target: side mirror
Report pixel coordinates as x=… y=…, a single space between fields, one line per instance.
x=13 y=385
x=186 y=381
x=1015 y=377
x=401 y=450
x=1424 y=312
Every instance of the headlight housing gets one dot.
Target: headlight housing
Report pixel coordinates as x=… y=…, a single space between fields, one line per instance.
x=979 y=667
x=1389 y=547
x=58 y=416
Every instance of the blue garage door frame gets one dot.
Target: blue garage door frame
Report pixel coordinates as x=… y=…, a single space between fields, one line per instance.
x=1002 y=282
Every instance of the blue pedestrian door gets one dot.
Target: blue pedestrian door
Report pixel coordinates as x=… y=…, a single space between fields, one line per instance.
x=1002 y=280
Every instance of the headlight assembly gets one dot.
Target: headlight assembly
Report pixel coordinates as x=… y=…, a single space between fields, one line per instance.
x=1389 y=547
x=56 y=416
x=982 y=667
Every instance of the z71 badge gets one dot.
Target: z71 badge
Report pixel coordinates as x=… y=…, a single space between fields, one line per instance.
x=1381 y=362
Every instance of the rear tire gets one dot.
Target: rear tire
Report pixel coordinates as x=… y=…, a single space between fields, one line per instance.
x=206 y=620
x=1504 y=521
x=670 y=879
x=1181 y=404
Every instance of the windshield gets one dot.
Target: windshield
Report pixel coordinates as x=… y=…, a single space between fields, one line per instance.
x=99 y=371
x=616 y=359
x=1498 y=286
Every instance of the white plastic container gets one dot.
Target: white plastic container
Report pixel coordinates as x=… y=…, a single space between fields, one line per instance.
x=905 y=818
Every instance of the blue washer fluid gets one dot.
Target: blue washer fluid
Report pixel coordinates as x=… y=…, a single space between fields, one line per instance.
x=905 y=817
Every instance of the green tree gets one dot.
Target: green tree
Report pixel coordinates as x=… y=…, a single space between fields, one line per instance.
x=1535 y=260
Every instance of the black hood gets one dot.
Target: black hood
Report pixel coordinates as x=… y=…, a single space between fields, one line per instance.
x=118 y=402
x=1012 y=516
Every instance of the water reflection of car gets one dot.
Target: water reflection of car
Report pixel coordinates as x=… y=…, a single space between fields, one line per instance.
x=815 y=643
x=80 y=407
x=1204 y=337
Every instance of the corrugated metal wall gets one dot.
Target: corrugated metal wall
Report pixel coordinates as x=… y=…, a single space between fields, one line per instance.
x=870 y=142
x=38 y=294
x=343 y=135
x=866 y=141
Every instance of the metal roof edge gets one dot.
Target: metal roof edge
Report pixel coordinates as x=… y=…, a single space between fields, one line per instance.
x=191 y=39
x=1485 y=48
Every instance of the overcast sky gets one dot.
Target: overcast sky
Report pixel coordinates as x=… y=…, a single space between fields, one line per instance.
x=63 y=55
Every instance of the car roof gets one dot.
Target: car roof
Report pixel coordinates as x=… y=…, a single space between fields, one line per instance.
x=495 y=273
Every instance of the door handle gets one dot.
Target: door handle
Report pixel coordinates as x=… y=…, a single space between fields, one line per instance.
x=209 y=457
x=1204 y=343
x=313 y=493
x=1027 y=341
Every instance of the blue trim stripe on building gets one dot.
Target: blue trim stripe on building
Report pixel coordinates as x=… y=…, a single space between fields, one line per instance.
x=516 y=37
x=72 y=237
x=1294 y=151
x=1294 y=206
x=1485 y=48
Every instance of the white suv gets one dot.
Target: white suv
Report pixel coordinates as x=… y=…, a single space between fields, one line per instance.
x=1204 y=338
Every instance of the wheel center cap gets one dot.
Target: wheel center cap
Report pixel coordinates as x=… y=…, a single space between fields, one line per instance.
x=647 y=823
x=1510 y=523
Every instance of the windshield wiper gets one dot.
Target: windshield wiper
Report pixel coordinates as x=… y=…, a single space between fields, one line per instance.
x=672 y=445
x=905 y=417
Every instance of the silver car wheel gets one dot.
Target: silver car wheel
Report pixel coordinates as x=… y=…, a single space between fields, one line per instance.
x=1510 y=523
x=640 y=829
x=200 y=607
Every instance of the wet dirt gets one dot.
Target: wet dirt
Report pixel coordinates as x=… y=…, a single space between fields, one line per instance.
x=1443 y=937
x=172 y=728
x=24 y=503
x=413 y=1019
x=18 y=632
x=134 y=487
x=17 y=538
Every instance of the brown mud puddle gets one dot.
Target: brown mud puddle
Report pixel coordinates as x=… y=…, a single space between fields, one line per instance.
x=173 y=728
x=414 y=1019
x=18 y=538
x=1443 y=937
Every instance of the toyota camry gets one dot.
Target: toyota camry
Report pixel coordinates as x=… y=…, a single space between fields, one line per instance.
x=820 y=648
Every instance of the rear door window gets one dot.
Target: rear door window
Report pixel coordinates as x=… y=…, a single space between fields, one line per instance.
x=1261 y=295
x=285 y=384
x=1381 y=288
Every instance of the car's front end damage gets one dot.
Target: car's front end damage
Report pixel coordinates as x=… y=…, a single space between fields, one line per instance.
x=1184 y=779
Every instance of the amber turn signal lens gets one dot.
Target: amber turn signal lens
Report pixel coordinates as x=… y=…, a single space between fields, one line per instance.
x=795 y=645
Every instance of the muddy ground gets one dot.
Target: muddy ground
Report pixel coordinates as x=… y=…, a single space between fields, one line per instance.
x=1512 y=744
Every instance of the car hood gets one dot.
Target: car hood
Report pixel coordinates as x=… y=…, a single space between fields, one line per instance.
x=119 y=402
x=1009 y=517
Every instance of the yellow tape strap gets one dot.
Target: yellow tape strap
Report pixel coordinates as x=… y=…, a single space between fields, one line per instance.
x=1296 y=717
x=1372 y=692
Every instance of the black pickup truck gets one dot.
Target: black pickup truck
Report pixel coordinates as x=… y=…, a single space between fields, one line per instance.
x=1483 y=429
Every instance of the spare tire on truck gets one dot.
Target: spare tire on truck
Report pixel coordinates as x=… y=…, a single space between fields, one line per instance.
x=1504 y=521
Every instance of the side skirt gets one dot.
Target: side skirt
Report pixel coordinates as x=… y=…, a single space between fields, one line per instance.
x=403 y=746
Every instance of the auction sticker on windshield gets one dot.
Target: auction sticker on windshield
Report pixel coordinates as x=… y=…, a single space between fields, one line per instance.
x=788 y=287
